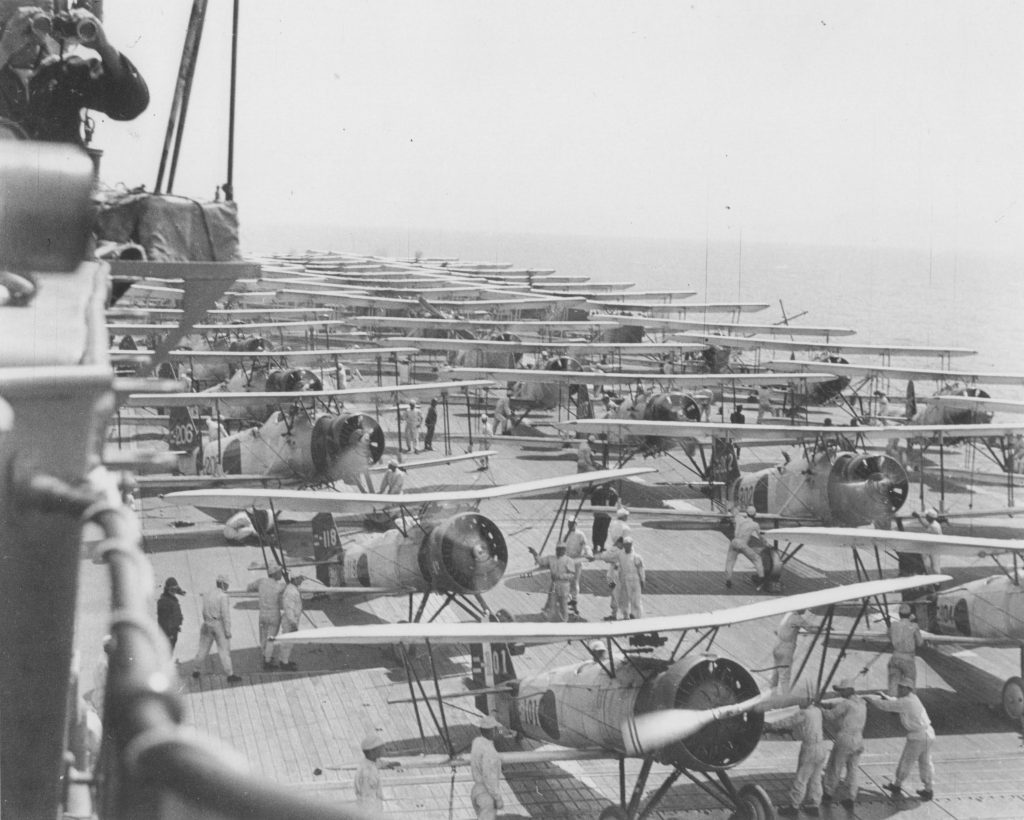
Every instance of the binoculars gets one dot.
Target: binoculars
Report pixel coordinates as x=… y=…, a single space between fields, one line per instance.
x=62 y=26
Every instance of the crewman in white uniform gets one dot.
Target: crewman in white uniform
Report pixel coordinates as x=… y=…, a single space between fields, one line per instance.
x=618 y=529
x=806 y=724
x=216 y=627
x=268 y=590
x=367 y=784
x=578 y=549
x=786 y=635
x=631 y=577
x=485 y=768
x=906 y=638
x=291 y=614
x=920 y=738
x=745 y=530
x=563 y=570
x=585 y=456
x=413 y=420
x=848 y=716
x=394 y=479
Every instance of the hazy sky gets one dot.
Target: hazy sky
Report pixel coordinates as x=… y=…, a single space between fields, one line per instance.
x=832 y=122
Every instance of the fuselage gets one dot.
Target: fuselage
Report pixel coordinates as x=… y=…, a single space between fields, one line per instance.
x=582 y=706
x=841 y=489
x=990 y=607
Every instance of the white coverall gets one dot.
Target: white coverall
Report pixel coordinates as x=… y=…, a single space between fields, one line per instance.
x=413 y=420
x=905 y=636
x=612 y=577
x=216 y=626
x=585 y=458
x=619 y=528
x=746 y=529
x=291 y=612
x=785 y=647
x=807 y=726
x=269 y=592
x=502 y=416
x=563 y=570
x=630 y=578
x=367 y=786
x=849 y=716
x=393 y=482
x=485 y=766
x=577 y=548
x=920 y=737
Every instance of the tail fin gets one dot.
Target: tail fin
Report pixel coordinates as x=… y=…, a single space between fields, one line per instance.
x=911 y=401
x=724 y=466
x=326 y=544
x=183 y=432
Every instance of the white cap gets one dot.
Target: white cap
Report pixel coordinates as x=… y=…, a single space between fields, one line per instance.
x=751 y=510
x=571 y=521
x=622 y=513
x=487 y=722
x=627 y=540
x=843 y=683
x=372 y=741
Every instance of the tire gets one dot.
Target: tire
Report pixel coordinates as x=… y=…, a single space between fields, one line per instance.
x=1013 y=698
x=753 y=803
x=612 y=813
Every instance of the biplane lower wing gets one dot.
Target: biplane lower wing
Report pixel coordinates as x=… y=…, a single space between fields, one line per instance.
x=895 y=541
x=325 y=501
x=537 y=633
x=193 y=399
x=756 y=433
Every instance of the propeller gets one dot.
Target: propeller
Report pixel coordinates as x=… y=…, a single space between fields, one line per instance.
x=885 y=473
x=645 y=733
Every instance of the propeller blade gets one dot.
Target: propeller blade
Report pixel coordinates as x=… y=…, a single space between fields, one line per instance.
x=643 y=734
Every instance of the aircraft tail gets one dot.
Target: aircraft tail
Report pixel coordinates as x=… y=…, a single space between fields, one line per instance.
x=326 y=544
x=724 y=466
x=492 y=666
x=911 y=410
x=183 y=431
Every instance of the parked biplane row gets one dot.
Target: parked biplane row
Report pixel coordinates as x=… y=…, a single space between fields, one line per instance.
x=618 y=372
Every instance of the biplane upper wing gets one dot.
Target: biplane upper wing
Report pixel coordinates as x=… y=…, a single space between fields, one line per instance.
x=569 y=346
x=895 y=372
x=547 y=632
x=977 y=405
x=762 y=342
x=601 y=377
x=326 y=501
x=896 y=541
x=774 y=432
x=327 y=353
x=650 y=323
x=192 y=399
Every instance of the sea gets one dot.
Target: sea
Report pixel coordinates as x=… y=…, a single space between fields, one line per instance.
x=968 y=299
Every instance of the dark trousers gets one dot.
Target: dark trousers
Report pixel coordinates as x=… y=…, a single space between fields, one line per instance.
x=428 y=438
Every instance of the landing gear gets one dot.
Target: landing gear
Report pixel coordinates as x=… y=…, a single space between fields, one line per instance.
x=1013 y=698
x=753 y=803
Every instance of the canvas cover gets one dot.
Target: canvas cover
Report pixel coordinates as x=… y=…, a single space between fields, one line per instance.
x=172 y=228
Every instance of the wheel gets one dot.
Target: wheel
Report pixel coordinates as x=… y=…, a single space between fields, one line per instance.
x=612 y=813
x=753 y=803
x=1013 y=698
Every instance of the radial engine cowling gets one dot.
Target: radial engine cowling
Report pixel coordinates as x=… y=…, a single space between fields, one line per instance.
x=671 y=407
x=344 y=446
x=865 y=488
x=703 y=683
x=465 y=553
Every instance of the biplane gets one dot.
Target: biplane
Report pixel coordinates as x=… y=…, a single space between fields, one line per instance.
x=311 y=437
x=697 y=713
x=558 y=386
x=440 y=543
x=983 y=612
